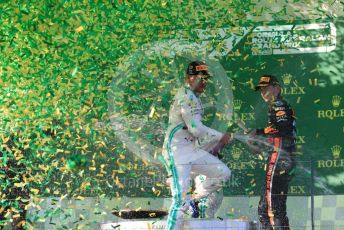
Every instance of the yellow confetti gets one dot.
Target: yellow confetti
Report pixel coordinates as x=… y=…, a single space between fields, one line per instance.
x=145 y=162
x=19 y=185
x=157 y=192
x=246 y=57
x=152 y=214
x=4 y=140
x=79 y=29
x=62 y=197
x=316 y=101
x=19 y=157
x=149 y=226
x=80 y=198
x=118 y=183
x=35 y=191
x=152 y=112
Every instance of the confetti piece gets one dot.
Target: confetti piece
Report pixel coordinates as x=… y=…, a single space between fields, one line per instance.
x=115 y=226
x=193 y=124
x=149 y=226
x=74 y=71
x=35 y=191
x=152 y=214
x=314 y=70
x=79 y=29
x=152 y=112
x=230 y=214
x=63 y=197
x=16 y=216
x=157 y=192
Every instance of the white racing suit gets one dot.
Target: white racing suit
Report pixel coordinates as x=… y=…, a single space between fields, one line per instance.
x=183 y=156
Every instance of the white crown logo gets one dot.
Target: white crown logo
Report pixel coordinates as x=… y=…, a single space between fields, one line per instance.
x=286 y=78
x=236 y=153
x=336 y=101
x=336 y=149
x=237 y=104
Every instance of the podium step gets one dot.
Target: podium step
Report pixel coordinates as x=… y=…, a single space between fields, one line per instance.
x=189 y=224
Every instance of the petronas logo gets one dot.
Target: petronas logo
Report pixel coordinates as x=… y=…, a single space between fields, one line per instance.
x=336 y=149
x=336 y=101
x=236 y=153
x=237 y=104
x=286 y=78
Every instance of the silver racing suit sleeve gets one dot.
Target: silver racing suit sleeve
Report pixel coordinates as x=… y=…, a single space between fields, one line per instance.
x=192 y=111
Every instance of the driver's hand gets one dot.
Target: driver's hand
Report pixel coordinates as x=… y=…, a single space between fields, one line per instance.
x=226 y=138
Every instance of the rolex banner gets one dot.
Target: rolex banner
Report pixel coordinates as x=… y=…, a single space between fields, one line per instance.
x=307 y=59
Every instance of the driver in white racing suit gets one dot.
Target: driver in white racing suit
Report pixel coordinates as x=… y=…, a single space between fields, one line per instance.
x=183 y=156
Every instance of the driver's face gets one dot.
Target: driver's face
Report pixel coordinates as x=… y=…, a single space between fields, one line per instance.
x=265 y=93
x=199 y=82
x=268 y=93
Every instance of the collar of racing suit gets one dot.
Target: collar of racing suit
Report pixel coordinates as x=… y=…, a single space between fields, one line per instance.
x=194 y=92
x=278 y=98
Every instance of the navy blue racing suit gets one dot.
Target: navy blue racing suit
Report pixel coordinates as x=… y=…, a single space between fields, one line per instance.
x=281 y=134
